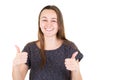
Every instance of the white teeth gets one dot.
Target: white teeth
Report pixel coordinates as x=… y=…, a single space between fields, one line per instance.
x=48 y=29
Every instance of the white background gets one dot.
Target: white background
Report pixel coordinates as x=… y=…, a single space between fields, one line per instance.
x=92 y=24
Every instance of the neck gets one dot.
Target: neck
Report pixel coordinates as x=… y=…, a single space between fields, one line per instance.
x=52 y=43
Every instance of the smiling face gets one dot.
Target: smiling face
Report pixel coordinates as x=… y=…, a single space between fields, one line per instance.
x=48 y=23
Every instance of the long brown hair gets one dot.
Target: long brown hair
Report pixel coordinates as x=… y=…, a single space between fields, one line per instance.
x=60 y=34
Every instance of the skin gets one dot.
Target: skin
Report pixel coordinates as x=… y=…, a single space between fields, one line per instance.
x=49 y=27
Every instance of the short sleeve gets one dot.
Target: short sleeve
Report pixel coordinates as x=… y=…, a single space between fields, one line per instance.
x=79 y=56
x=27 y=49
x=73 y=48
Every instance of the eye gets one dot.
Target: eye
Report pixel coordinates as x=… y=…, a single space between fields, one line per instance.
x=54 y=21
x=44 y=20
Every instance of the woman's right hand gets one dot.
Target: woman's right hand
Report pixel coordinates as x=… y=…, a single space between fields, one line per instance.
x=20 y=58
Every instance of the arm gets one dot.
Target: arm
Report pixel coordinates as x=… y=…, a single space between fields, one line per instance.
x=19 y=72
x=76 y=75
x=73 y=65
x=19 y=68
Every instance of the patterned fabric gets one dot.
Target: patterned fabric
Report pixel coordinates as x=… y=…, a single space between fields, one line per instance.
x=54 y=68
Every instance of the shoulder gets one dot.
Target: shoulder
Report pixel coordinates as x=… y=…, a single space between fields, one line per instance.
x=72 y=48
x=29 y=45
x=70 y=44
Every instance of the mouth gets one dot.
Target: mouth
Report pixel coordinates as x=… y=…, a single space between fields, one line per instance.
x=48 y=29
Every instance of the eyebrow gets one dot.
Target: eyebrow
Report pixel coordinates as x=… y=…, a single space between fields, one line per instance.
x=46 y=17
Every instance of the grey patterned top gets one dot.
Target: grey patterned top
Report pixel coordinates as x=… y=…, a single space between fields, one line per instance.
x=54 y=68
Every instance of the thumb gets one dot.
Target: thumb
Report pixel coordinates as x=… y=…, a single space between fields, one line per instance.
x=17 y=48
x=74 y=55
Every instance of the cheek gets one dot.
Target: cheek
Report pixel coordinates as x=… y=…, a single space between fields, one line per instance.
x=42 y=25
x=56 y=28
x=42 y=28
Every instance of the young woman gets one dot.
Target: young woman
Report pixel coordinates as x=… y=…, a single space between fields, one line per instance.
x=52 y=56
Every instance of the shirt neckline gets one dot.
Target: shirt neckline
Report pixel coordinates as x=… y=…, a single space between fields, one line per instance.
x=51 y=49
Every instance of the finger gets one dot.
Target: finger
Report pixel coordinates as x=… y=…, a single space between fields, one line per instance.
x=17 y=48
x=74 y=55
x=24 y=54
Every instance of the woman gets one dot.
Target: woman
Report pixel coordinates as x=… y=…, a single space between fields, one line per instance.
x=52 y=56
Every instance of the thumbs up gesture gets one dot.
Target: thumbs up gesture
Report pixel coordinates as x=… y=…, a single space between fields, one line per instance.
x=20 y=58
x=71 y=63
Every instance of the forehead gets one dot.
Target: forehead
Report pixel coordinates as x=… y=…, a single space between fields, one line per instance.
x=48 y=13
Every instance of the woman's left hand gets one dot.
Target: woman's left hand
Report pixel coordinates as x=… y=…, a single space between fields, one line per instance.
x=71 y=63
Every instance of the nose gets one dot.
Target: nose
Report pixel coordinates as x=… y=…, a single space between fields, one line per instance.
x=49 y=24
